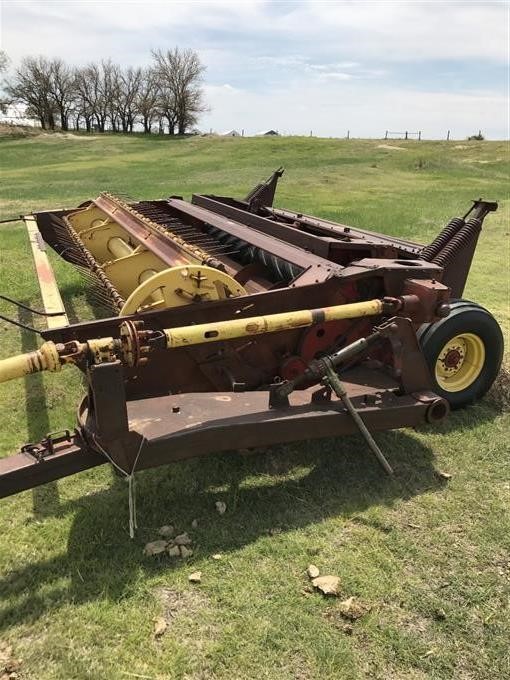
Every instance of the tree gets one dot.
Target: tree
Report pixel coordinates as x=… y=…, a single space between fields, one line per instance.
x=4 y=65
x=130 y=82
x=94 y=92
x=31 y=85
x=179 y=79
x=4 y=61
x=147 y=98
x=62 y=90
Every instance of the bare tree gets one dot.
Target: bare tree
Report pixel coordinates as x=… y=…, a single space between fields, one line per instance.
x=62 y=90
x=179 y=76
x=93 y=90
x=104 y=95
x=4 y=65
x=31 y=85
x=147 y=99
x=128 y=97
x=4 y=61
x=111 y=91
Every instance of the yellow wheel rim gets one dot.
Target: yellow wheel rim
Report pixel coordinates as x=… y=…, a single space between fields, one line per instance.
x=460 y=362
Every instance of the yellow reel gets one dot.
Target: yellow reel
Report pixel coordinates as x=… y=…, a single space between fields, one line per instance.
x=178 y=286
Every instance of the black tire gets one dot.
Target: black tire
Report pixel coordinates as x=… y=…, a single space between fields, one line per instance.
x=465 y=318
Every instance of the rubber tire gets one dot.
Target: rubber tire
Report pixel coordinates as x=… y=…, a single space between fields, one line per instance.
x=464 y=317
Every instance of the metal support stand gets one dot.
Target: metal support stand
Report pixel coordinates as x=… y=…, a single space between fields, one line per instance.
x=332 y=380
x=324 y=370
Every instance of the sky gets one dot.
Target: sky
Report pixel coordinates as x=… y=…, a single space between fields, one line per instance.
x=300 y=67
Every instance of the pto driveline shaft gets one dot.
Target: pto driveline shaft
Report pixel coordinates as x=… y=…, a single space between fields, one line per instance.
x=106 y=349
x=271 y=323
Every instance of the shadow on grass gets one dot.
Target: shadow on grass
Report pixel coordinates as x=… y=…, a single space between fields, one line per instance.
x=44 y=498
x=286 y=488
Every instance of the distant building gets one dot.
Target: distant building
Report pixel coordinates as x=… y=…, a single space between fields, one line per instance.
x=231 y=133
x=15 y=114
x=268 y=133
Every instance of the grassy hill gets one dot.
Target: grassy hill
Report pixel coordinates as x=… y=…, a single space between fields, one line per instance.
x=428 y=557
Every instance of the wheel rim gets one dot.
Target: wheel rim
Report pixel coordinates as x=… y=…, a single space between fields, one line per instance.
x=460 y=362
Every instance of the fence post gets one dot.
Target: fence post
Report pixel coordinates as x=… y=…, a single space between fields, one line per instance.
x=348 y=133
x=406 y=135
x=448 y=136
x=419 y=135
x=386 y=135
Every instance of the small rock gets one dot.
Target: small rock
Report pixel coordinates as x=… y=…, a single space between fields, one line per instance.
x=167 y=531
x=328 y=585
x=444 y=475
x=195 y=577
x=312 y=571
x=217 y=556
x=160 y=626
x=353 y=609
x=185 y=552
x=348 y=629
x=182 y=539
x=440 y=614
x=9 y=666
x=221 y=507
x=155 y=547
x=194 y=524
x=173 y=551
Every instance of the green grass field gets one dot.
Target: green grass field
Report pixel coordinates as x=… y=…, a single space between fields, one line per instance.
x=430 y=557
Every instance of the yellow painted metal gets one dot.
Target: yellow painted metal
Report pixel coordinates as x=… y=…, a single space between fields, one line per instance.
x=460 y=362
x=127 y=273
x=190 y=253
x=97 y=240
x=118 y=247
x=46 y=358
x=50 y=294
x=272 y=323
x=86 y=218
x=183 y=285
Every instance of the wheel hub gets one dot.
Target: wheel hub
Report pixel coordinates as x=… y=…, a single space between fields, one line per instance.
x=460 y=362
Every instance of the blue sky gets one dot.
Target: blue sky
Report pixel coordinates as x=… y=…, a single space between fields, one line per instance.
x=300 y=66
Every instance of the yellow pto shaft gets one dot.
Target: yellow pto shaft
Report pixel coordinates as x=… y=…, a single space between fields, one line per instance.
x=258 y=325
x=46 y=358
x=49 y=357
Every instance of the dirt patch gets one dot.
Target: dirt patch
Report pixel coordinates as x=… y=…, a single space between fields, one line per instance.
x=68 y=135
x=392 y=147
x=499 y=393
x=9 y=666
x=176 y=603
x=461 y=146
x=475 y=160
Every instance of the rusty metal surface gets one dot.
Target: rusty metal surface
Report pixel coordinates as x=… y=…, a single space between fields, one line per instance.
x=25 y=470
x=177 y=427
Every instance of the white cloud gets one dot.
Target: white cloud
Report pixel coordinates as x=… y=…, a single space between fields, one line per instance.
x=329 y=66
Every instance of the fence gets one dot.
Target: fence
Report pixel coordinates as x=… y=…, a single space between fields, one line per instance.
x=403 y=135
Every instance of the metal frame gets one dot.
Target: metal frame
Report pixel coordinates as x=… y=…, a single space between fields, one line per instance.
x=149 y=403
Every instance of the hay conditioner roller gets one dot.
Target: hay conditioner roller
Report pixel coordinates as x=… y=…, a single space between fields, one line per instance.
x=236 y=324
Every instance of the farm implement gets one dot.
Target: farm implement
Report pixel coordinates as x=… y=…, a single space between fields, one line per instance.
x=236 y=324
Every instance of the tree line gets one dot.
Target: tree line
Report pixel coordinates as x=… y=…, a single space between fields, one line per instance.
x=166 y=96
